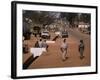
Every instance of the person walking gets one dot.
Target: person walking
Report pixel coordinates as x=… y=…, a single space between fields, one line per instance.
x=40 y=43
x=64 y=47
x=45 y=45
x=81 y=49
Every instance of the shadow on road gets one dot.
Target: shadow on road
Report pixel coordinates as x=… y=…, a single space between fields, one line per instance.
x=54 y=39
x=29 y=61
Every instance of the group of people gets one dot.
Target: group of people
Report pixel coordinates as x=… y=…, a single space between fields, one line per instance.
x=41 y=44
x=64 y=48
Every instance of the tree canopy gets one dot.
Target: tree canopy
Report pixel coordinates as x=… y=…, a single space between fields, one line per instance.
x=47 y=17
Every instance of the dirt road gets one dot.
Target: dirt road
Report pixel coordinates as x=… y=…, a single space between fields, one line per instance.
x=52 y=58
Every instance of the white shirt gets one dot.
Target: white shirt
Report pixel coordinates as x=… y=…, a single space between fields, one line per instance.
x=40 y=44
x=64 y=45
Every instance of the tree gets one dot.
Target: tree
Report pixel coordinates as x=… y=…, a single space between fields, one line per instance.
x=71 y=17
x=85 y=17
x=40 y=17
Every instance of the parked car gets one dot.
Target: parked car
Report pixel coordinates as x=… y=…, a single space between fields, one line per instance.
x=45 y=35
x=64 y=34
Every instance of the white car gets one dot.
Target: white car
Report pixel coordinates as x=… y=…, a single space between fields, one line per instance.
x=45 y=35
x=62 y=34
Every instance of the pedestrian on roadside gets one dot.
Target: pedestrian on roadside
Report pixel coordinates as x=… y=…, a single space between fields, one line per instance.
x=40 y=43
x=25 y=48
x=45 y=45
x=64 y=48
x=37 y=44
x=81 y=49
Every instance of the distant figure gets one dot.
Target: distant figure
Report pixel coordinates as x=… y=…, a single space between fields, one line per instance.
x=64 y=47
x=36 y=44
x=40 y=43
x=45 y=45
x=25 y=48
x=81 y=49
